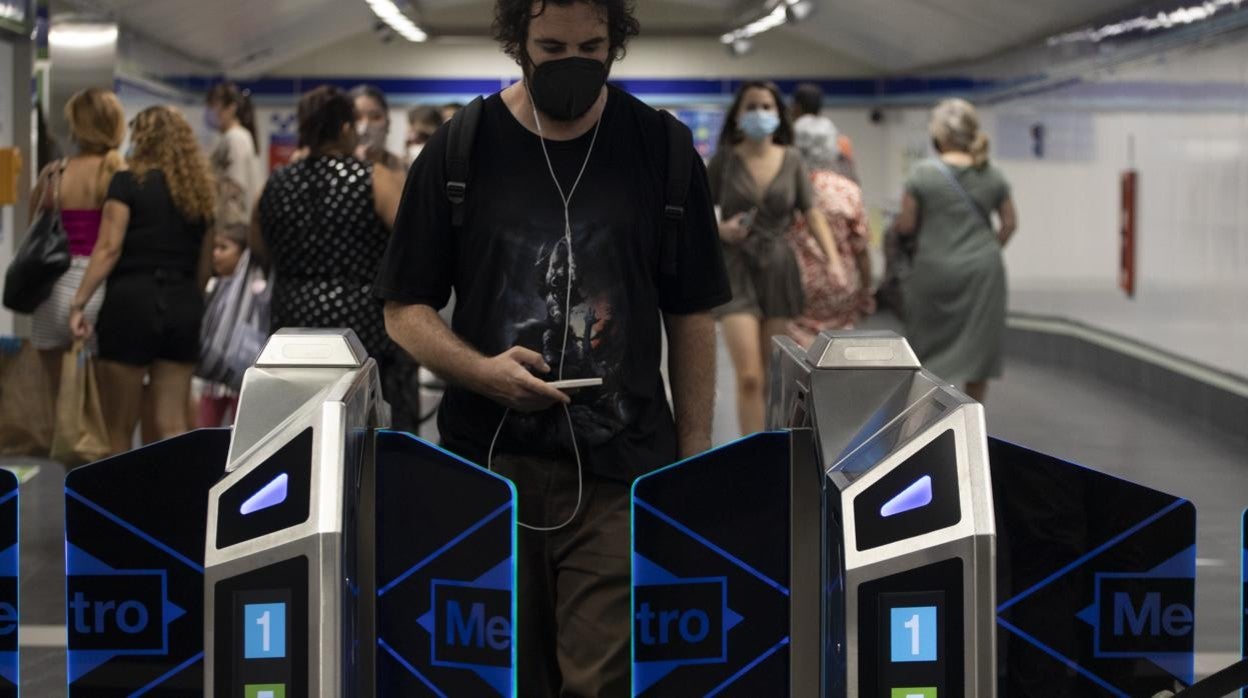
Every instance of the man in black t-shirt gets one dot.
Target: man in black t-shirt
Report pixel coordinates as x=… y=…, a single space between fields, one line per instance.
x=544 y=293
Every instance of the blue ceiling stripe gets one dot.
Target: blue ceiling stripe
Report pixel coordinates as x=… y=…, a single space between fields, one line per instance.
x=688 y=87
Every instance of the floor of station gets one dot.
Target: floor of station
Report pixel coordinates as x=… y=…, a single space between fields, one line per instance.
x=1062 y=413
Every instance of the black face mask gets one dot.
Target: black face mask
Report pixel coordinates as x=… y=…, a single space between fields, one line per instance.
x=565 y=89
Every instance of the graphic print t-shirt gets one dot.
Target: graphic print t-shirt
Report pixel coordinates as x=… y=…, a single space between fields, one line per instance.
x=510 y=268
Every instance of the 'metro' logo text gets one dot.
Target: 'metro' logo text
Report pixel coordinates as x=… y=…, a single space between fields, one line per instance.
x=1138 y=616
x=472 y=625
x=122 y=613
x=682 y=622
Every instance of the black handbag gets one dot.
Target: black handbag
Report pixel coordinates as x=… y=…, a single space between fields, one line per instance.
x=40 y=261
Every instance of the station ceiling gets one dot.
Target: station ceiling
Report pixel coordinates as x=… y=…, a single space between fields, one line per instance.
x=891 y=36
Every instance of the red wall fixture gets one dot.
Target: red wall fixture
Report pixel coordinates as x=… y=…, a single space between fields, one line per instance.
x=1126 y=233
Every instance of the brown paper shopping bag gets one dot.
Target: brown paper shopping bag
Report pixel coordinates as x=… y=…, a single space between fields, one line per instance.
x=27 y=405
x=80 y=435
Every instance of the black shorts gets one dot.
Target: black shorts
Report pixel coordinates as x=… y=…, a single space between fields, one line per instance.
x=149 y=317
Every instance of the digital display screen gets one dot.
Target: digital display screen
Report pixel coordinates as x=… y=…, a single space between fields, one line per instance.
x=262 y=632
x=913 y=665
x=914 y=647
x=914 y=631
x=264 y=628
x=916 y=692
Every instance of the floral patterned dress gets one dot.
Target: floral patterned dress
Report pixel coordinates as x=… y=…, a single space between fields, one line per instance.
x=829 y=305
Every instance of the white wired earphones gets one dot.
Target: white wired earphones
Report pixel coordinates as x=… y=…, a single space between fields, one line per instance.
x=567 y=314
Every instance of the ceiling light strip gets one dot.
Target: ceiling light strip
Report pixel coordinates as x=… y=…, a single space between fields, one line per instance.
x=782 y=13
x=1148 y=23
x=402 y=25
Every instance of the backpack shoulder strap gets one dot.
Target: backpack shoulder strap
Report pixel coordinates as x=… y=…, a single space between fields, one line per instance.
x=679 y=170
x=463 y=132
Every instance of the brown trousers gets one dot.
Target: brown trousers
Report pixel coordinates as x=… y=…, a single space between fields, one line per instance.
x=573 y=597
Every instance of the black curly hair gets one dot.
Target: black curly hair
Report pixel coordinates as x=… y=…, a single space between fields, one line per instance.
x=512 y=17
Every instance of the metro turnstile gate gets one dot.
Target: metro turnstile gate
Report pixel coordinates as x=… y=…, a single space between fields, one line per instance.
x=851 y=554
x=288 y=560
x=907 y=517
x=343 y=560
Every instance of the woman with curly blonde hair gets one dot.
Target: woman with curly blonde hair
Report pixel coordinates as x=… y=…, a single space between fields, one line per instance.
x=154 y=253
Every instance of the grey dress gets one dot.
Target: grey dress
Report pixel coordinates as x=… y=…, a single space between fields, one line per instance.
x=955 y=293
x=762 y=268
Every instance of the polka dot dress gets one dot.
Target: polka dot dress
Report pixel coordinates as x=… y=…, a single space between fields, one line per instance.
x=326 y=243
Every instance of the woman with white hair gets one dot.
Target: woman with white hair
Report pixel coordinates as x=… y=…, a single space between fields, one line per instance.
x=956 y=293
x=831 y=304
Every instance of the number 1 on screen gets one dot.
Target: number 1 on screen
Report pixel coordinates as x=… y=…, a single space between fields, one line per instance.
x=912 y=625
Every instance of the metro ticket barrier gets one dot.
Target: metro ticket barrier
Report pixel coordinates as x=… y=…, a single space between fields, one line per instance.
x=289 y=537
x=850 y=555
x=733 y=594
x=343 y=560
x=264 y=583
x=1087 y=578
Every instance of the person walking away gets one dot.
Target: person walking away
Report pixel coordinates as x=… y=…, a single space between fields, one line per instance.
x=154 y=251
x=955 y=294
x=760 y=185
x=830 y=306
x=324 y=223
x=78 y=184
x=807 y=110
x=560 y=272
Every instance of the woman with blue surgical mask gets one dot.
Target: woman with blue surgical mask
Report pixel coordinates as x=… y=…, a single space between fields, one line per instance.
x=760 y=187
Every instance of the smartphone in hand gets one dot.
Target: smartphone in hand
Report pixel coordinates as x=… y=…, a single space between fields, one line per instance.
x=747 y=219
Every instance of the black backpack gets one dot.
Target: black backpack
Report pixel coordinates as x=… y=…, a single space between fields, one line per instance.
x=462 y=135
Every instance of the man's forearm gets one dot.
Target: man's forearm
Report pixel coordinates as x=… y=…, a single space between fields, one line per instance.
x=421 y=332
x=691 y=366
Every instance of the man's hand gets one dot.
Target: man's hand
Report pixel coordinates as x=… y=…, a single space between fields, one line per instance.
x=508 y=380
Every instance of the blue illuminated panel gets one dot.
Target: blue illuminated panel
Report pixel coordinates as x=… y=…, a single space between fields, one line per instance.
x=134 y=591
x=913 y=634
x=270 y=495
x=916 y=496
x=264 y=636
x=9 y=621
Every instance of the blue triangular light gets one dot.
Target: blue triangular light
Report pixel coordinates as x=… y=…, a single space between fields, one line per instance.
x=270 y=495
x=916 y=496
